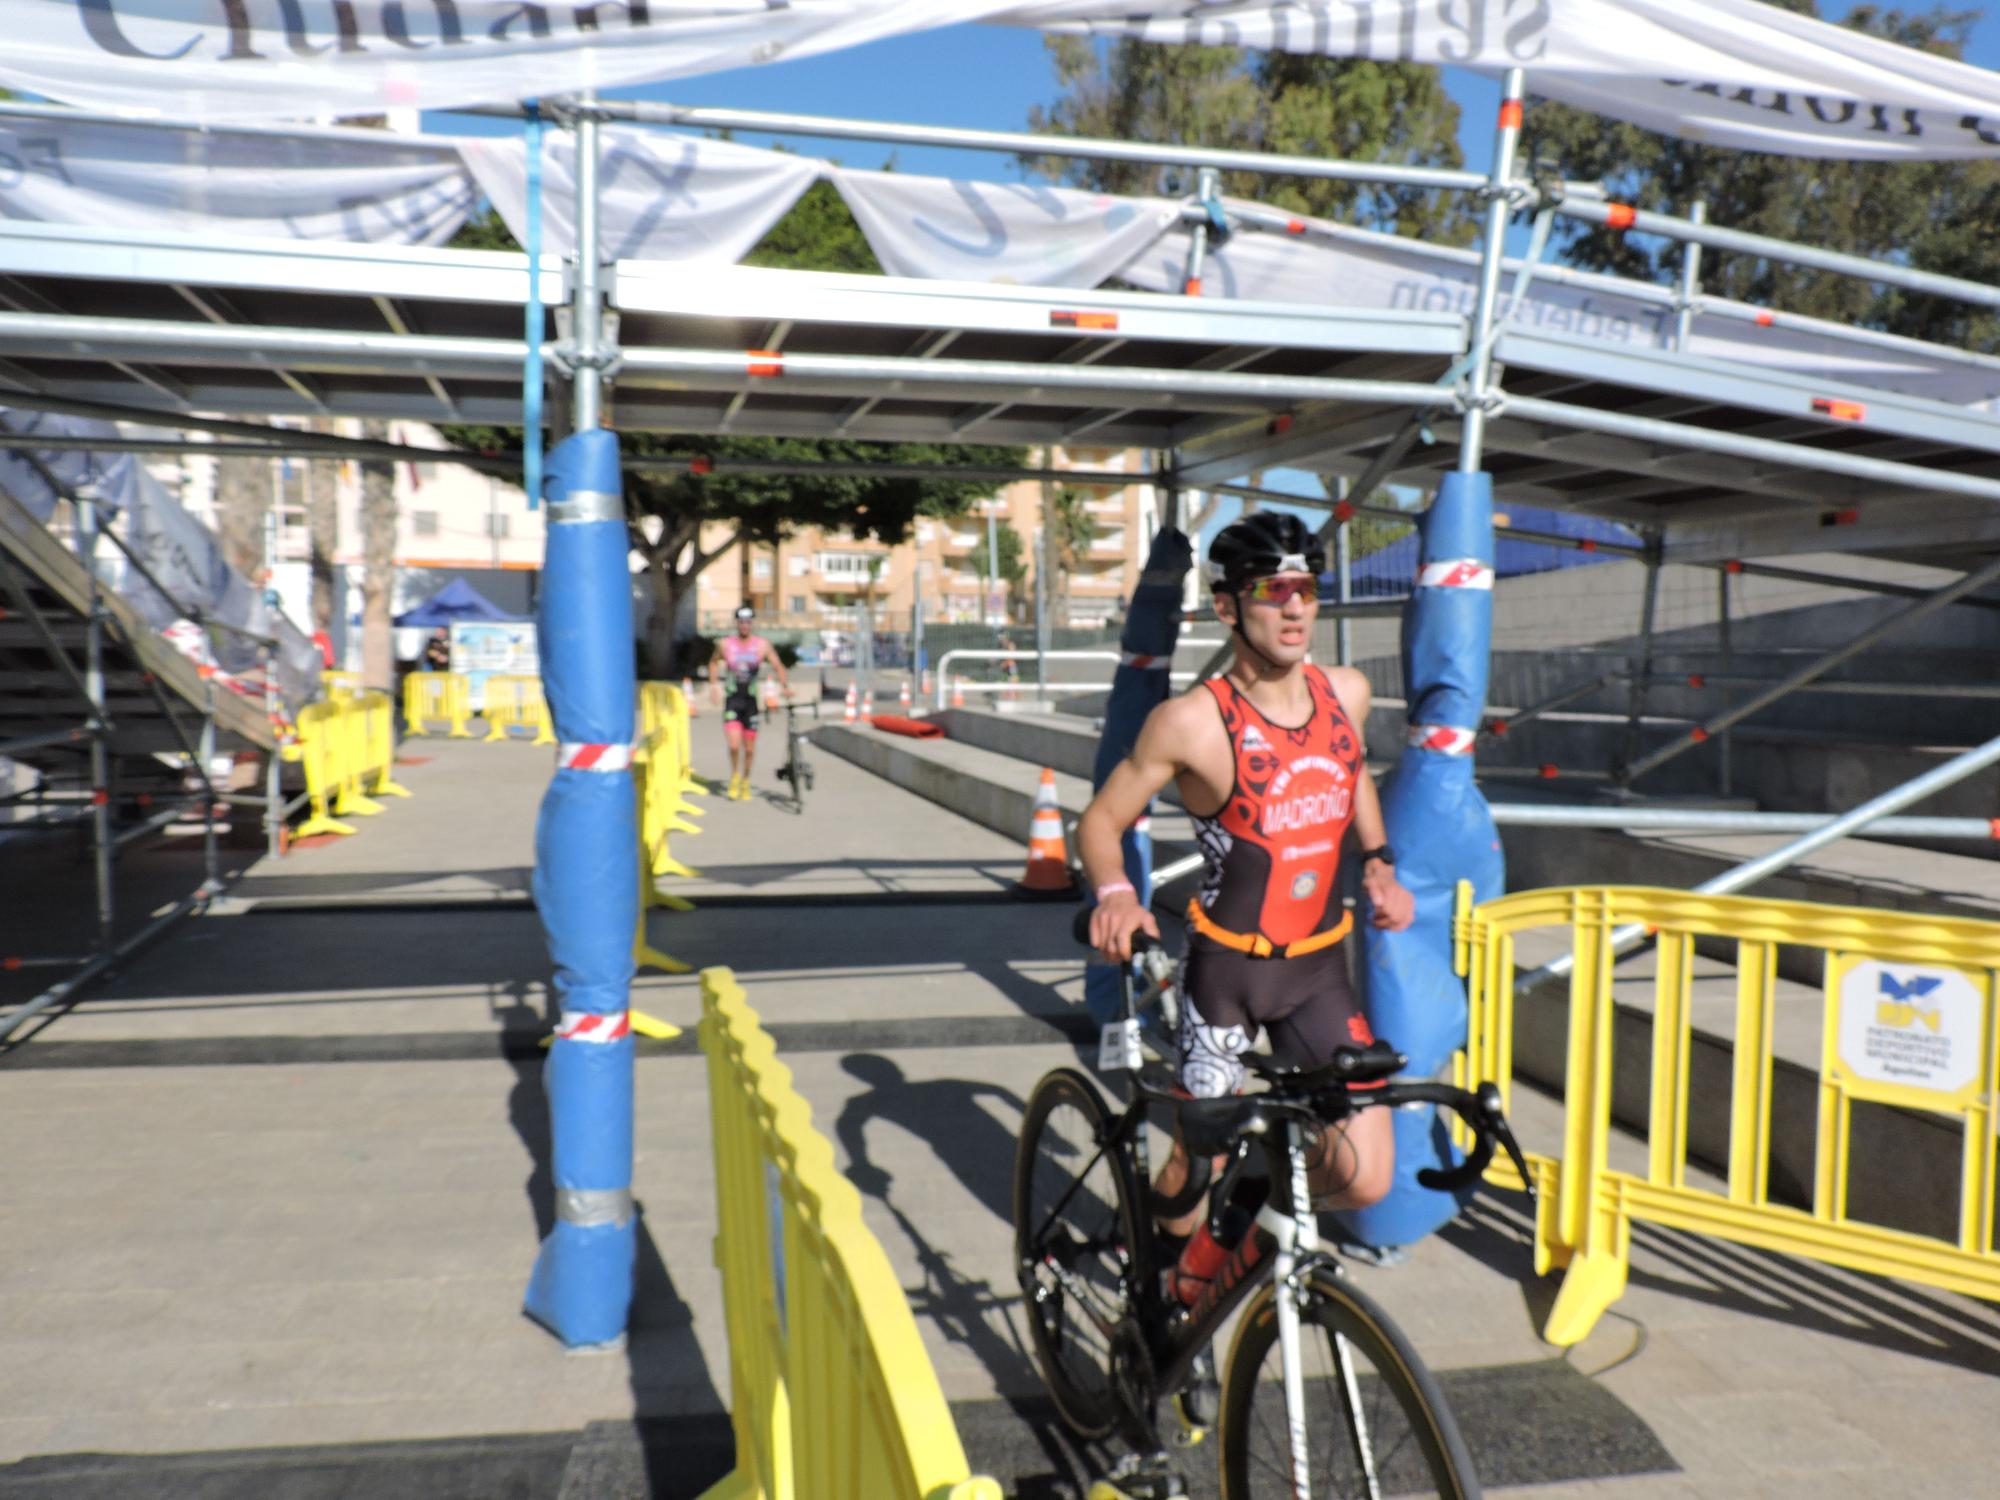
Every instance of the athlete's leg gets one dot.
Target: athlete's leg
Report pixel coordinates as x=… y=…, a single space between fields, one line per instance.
x=1211 y=1067
x=732 y=732
x=1353 y=1163
x=749 y=748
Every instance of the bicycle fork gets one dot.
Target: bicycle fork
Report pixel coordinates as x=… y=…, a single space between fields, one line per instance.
x=1297 y=1238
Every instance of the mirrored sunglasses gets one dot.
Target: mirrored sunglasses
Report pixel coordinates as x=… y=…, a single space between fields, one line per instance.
x=1282 y=591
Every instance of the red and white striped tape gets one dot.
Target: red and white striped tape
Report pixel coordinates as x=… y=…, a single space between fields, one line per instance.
x=1457 y=573
x=1144 y=663
x=593 y=1026
x=579 y=757
x=1446 y=739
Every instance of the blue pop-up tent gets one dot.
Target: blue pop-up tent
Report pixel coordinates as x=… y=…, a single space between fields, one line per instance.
x=457 y=600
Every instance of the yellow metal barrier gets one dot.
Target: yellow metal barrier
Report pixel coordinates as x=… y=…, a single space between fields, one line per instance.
x=831 y=1394
x=1908 y=1019
x=322 y=751
x=517 y=703
x=378 y=745
x=339 y=685
x=428 y=696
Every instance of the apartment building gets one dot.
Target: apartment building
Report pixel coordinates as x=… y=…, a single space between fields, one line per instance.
x=817 y=579
x=450 y=521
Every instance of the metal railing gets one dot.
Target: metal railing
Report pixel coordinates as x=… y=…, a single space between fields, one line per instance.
x=944 y=689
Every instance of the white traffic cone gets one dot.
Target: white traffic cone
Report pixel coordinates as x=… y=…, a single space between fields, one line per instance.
x=851 y=711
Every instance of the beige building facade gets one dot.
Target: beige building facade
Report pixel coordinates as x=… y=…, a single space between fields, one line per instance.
x=818 y=579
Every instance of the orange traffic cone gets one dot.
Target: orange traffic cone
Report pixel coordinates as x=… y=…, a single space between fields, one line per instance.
x=771 y=694
x=1047 y=877
x=927 y=683
x=958 y=692
x=904 y=697
x=868 y=707
x=851 y=711
x=687 y=692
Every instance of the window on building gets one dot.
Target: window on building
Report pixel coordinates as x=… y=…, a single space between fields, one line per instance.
x=423 y=523
x=796 y=604
x=760 y=567
x=843 y=565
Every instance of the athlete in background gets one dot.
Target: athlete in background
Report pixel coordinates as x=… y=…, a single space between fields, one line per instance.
x=742 y=656
x=1270 y=762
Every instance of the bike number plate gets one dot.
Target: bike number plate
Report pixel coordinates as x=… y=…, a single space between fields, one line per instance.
x=1118 y=1047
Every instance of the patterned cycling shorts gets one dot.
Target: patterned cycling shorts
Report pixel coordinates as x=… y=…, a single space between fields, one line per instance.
x=1307 y=1005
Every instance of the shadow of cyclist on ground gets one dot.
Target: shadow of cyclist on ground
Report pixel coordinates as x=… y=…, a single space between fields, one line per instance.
x=979 y=1150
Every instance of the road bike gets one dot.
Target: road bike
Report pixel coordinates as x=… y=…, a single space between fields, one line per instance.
x=796 y=772
x=1346 y=1406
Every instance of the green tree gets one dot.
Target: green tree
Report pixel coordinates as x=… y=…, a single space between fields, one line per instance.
x=672 y=511
x=1068 y=530
x=1939 y=216
x=1274 y=102
x=1013 y=562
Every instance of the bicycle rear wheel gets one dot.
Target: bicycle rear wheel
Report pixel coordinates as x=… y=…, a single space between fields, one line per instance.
x=1389 y=1419
x=1076 y=1244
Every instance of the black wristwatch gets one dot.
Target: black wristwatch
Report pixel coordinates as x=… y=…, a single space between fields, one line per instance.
x=1383 y=853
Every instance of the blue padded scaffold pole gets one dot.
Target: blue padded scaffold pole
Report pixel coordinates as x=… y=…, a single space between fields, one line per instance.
x=587 y=890
x=1139 y=685
x=1442 y=832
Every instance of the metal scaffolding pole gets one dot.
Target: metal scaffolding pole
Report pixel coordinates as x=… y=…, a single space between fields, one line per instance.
x=1644 y=221
x=1649 y=609
x=1690 y=284
x=1022 y=143
x=1207 y=185
x=1726 y=764
x=1895 y=799
x=1721 y=820
x=100 y=749
x=1499 y=204
x=1343 y=582
x=1817 y=668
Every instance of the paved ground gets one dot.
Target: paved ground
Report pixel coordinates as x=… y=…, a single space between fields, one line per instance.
x=269 y=1199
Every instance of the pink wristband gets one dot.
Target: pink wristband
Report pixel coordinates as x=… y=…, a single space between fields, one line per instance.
x=1113 y=887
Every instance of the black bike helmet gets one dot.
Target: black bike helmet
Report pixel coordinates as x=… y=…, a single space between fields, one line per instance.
x=1261 y=544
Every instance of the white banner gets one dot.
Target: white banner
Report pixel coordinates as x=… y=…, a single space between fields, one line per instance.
x=1018 y=233
x=660 y=197
x=1728 y=72
x=323 y=185
x=1332 y=265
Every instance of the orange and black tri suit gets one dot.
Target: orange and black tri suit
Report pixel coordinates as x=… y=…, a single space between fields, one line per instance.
x=1265 y=930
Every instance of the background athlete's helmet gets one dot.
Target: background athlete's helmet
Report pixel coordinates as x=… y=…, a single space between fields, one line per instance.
x=1262 y=544
x=745 y=612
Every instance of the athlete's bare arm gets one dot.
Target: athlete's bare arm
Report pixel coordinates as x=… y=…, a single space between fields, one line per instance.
x=1158 y=756
x=1394 y=907
x=778 y=667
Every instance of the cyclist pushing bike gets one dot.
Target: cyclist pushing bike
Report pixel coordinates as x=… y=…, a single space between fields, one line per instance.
x=1271 y=764
x=743 y=655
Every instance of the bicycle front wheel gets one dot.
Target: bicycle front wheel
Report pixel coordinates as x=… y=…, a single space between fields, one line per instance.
x=1372 y=1408
x=1076 y=1244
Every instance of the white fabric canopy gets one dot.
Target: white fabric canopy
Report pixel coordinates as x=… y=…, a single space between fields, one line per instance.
x=660 y=197
x=1730 y=72
x=1021 y=233
x=342 y=185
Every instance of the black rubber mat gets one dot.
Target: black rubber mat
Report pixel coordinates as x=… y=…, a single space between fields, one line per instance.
x=1535 y=1423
